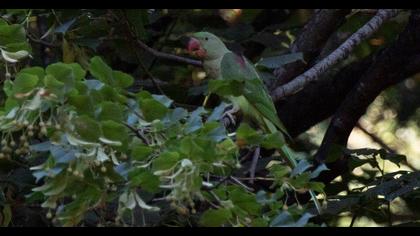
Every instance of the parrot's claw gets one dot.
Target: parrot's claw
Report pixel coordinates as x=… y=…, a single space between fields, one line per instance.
x=229 y=114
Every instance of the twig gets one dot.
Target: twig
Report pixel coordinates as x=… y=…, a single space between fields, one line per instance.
x=336 y=56
x=168 y=56
x=224 y=179
x=48 y=44
x=375 y=138
x=254 y=164
x=381 y=143
x=137 y=133
x=241 y=184
x=353 y=219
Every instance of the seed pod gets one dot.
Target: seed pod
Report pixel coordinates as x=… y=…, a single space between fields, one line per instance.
x=44 y=130
x=49 y=123
x=103 y=169
x=30 y=133
x=7 y=149
x=49 y=215
x=22 y=138
x=57 y=126
x=12 y=143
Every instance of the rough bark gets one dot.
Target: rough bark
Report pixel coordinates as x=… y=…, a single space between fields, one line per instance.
x=389 y=66
x=339 y=54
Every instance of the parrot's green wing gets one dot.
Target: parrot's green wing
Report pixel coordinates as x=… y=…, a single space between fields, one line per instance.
x=239 y=68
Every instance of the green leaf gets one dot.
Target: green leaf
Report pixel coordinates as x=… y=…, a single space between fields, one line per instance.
x=300 y=181
x=123 y=80
x=248 y=134
x=11 y=34
x=8 y=87
x=108 y=93
x=273 y=140
x=87 y=128
x=165 y=161
x=215 y=217
x=245 y=201
x=111 y=111
x=317 y=186
x=163 y=99
x=24 y=83
x=152 y=109
x=83 y=104
x=78 y=72
x=54 y=86
x=194 y=122
x=279 y=171
x=116 y=131
x=63 y=73
x=140 y=152
x=147 y=181
x=101 y=71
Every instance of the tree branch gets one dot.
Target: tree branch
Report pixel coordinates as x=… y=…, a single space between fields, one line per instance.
x=390 y=66
x=340 y=53
x=308 y=101
x=375 y=138
x=310 y=41
x=168 y=56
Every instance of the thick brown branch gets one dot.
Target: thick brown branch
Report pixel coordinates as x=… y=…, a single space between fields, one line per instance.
x=340 y=53
x=320 y=100
x=310 y=41
x=390 y=66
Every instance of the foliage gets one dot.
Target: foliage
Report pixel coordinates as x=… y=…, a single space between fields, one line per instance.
x=89 y=141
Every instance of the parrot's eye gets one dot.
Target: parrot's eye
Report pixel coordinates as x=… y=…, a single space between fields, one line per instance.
x=206 y=38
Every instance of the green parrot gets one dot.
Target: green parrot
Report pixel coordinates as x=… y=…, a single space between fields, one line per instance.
x=254 y=103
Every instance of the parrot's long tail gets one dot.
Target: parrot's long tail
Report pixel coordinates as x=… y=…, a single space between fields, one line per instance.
x=285 y=151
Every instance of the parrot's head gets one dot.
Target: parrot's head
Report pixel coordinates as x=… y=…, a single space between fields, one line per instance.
x=206 y=46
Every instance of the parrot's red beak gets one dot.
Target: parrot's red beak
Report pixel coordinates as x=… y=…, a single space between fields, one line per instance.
x=194 y=48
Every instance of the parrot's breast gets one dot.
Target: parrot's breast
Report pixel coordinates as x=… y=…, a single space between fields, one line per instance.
x=212 y=68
